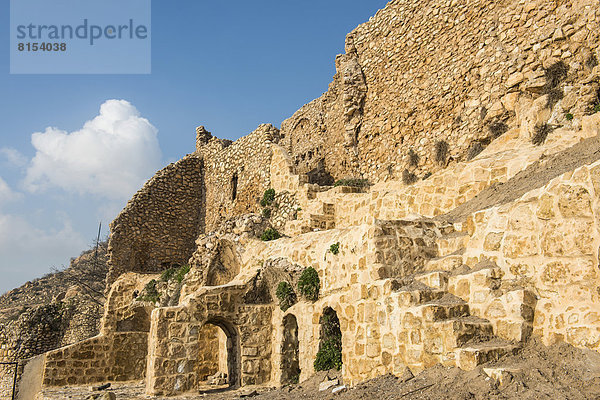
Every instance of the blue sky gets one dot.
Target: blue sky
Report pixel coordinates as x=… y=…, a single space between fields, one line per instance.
x=227 y=65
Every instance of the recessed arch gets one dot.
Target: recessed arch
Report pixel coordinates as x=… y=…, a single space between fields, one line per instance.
x=219 y=363
x=290 y=352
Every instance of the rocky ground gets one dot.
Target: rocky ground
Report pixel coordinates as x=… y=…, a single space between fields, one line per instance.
x=537 y=372
x=85 y=275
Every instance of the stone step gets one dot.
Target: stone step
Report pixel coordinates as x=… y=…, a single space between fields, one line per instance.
x=349 y=189
x=452 y=243
x=470 y=356
x=458 y=331
x=329 y=209
x=297 y=227
x=445 y=263
x=434 y=279
x=417 y=293
x=321 y=222
x=447 y=307
x=484 y=274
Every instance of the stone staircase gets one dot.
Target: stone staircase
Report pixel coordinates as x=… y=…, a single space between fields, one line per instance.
x=441 y=329
x=321 y=220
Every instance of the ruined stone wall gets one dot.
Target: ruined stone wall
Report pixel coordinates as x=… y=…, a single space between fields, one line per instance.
x=160 y=223
x=438 y=71
x=121 y=295
x=548 y=241
x=236 y=175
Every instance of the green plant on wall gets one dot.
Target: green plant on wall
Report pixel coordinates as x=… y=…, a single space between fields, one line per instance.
x=150 y=292
x=354 y=182
x=175 y=273
x=181 y=273
x=270 y=234
x=268 y=198
x=329 y=355
x=309 y=283
x=335 y=248
x=167 y=274
x=286 y=295
x=266 y=212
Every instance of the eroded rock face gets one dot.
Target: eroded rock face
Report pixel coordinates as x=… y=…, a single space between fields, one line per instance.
x=218 y=256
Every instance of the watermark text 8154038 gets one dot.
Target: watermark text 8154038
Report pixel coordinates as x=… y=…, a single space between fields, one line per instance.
x=80 y=37
x=43 y=46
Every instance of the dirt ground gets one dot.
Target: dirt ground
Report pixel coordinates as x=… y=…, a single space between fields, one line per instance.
x=557 y=372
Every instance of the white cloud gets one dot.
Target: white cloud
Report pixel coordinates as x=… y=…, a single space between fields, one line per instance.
x=111 y=156
x=13 y=156
x=6 y=193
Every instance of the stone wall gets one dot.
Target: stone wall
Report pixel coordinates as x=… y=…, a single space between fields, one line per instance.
x=236 y=175
x=119 y=357
x=118 y=307
x=175 y=339
x=160 y=223
x=548 y=241
x=422 y=72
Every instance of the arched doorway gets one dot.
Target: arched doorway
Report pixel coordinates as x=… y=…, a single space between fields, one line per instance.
x=290 y=358
x=218 y=358
x=329 y=355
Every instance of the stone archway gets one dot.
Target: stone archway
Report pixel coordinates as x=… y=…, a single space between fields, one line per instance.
x=290 y=357
x=329 y=355
x=219 y=356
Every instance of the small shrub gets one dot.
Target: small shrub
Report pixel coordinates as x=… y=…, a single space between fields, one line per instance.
x=268 y=197
x=150 y=293
x=427 y=175
x=497 y=129
x=441 y=152
x=286 y=295
x=555 y=74
x=167 y=274
x=182 y=272
x=413 y=158
x=408 y=178
x=554 y=96
x=329 y=355
x=355 y=182
x=596 y=108
x=541 y=132
x=266 y=212
x=309 y=284
x=335 y=248
x=295 y=379
x=569 y=116
x=270 y=234
x=474 y=150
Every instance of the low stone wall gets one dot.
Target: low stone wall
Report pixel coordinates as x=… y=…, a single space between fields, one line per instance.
x=119 y=357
